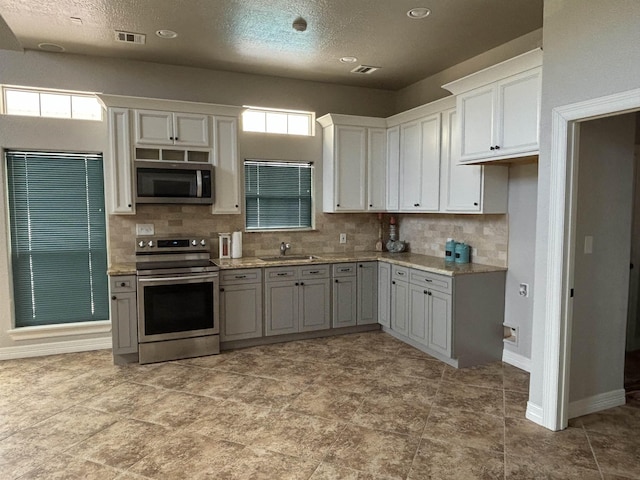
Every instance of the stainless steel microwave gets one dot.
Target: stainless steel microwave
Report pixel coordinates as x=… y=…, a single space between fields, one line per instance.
x=160 y=182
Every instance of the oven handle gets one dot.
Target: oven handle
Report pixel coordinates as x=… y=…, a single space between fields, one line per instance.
x=174 y=279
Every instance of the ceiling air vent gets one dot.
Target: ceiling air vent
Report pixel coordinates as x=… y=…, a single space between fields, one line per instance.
x=129 y=37
x=364 y=69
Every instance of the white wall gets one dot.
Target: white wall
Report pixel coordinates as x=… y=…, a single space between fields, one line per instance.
x=518 y=310
x=590 y=50
x=601 y=278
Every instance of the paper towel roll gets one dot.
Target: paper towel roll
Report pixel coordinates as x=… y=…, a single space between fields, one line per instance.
x=236 y=245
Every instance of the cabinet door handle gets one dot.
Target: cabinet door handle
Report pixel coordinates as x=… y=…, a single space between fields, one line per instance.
x=497 y=147
x=222 y=289
x=297 y=284
x=360 y=266
x=416 y=204
x=302 y=284
x=426 y=292
x=336 y=281
x=370 y=205
x=122 y=284
x=114 y=297
x=170 y=138
x=492 y=148
x=429 y=293
x=393 y=282
x=475 y=204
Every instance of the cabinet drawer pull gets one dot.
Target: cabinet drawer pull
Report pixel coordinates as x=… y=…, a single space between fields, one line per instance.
x=401 y=274
x=428 y=280
x=314 y=271
x=241 y=276
x=344 y=269
x=282 y=274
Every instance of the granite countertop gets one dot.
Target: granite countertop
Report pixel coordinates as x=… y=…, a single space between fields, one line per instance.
x=411 y=260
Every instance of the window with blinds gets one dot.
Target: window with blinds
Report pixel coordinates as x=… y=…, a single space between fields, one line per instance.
x=278 y=195
x=58 y=238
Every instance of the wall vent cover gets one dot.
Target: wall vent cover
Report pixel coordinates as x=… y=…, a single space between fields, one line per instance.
x=365 y=69
x=130 y=37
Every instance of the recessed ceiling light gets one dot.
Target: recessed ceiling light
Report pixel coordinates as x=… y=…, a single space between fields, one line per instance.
x=419 y=12
x=51 y=47
x=166 y=34
x=299 y=24
x=348 y=59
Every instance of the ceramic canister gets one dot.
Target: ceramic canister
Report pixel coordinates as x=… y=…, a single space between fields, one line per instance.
x=450 y=250
x=462 y=253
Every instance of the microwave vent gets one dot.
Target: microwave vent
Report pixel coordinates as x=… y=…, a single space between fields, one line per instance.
x=130 y=37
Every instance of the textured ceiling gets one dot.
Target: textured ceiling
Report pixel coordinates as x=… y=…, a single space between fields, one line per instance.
x=256 y=36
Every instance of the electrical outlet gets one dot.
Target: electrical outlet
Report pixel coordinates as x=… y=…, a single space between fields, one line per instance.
x=144 y=229
x=524 y=290
x=343 y=238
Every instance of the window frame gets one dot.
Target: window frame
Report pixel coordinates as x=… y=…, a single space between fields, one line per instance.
x=312 y=227
x=48 y=91
x=311 y=120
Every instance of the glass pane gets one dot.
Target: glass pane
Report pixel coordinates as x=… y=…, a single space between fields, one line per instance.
x=85 y=108
x=277 y=123
x=299 y=124
x=54 y=105
x=22 y=103
x=253 y=121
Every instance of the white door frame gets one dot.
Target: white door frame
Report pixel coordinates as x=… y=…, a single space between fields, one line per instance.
x=559 y=272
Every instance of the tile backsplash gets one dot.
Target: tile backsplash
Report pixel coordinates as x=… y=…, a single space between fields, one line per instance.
x=426 y=233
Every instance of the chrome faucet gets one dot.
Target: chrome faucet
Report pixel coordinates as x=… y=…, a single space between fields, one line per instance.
x=284 y=247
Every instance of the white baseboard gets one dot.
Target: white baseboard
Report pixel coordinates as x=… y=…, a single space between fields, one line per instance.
x=534 y=413
x=516 y=360
x=53 y=348
x=593 y=404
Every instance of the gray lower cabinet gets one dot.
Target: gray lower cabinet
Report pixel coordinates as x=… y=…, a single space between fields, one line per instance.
x=344 y=294
x=367 y=275
x=240 y=304
x=400 y=300
x=384 y=294
x=297 y=299
x=457 y=319
x=124 y=317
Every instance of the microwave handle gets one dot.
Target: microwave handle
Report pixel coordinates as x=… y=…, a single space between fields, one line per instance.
x=199 y=183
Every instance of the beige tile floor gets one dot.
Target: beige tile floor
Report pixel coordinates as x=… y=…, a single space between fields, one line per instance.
x=359 y=407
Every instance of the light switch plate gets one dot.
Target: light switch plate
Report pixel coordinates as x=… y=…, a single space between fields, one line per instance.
x=588 y=244
x=343 y=238
x=144 y=229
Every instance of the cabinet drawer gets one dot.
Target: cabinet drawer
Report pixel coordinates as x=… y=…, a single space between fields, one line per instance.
x=344 y=269
x=431 y=280
x=280 y=273
x=314 y=271
x=236 y=277
x=400 y=273
x=123 y=283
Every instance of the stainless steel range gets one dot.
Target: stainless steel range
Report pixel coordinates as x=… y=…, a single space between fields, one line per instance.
x=177 y=299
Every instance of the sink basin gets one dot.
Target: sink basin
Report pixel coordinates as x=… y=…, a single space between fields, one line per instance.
x=288 y=258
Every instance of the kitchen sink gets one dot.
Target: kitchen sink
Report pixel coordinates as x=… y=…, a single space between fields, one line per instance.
x=289 y=258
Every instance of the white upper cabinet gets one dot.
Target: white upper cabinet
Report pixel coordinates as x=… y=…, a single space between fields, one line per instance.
x=354 y=163
x=420 y=165
x=226 y=166
x=499 y=109
x=469 y=188
x=119 y=167
x=167 y=128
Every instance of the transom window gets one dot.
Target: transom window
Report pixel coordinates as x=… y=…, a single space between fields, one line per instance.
x=278 y=195
x=287 y=122
x=50 y=103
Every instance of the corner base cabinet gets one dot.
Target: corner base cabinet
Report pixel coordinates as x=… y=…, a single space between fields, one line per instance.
x=456 y=319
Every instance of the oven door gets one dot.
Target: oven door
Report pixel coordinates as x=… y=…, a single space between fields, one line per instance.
x=177 y=306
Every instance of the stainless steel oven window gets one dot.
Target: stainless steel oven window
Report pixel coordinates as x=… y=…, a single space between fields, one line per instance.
x=171 y=307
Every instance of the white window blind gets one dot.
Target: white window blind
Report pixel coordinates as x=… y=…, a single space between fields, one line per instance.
x=278 y=195
x=58 y=237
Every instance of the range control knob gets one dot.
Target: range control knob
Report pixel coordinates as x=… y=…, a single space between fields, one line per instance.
x=203 y=242
x=194 y=242
x=141 y=244
x=150 y=243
